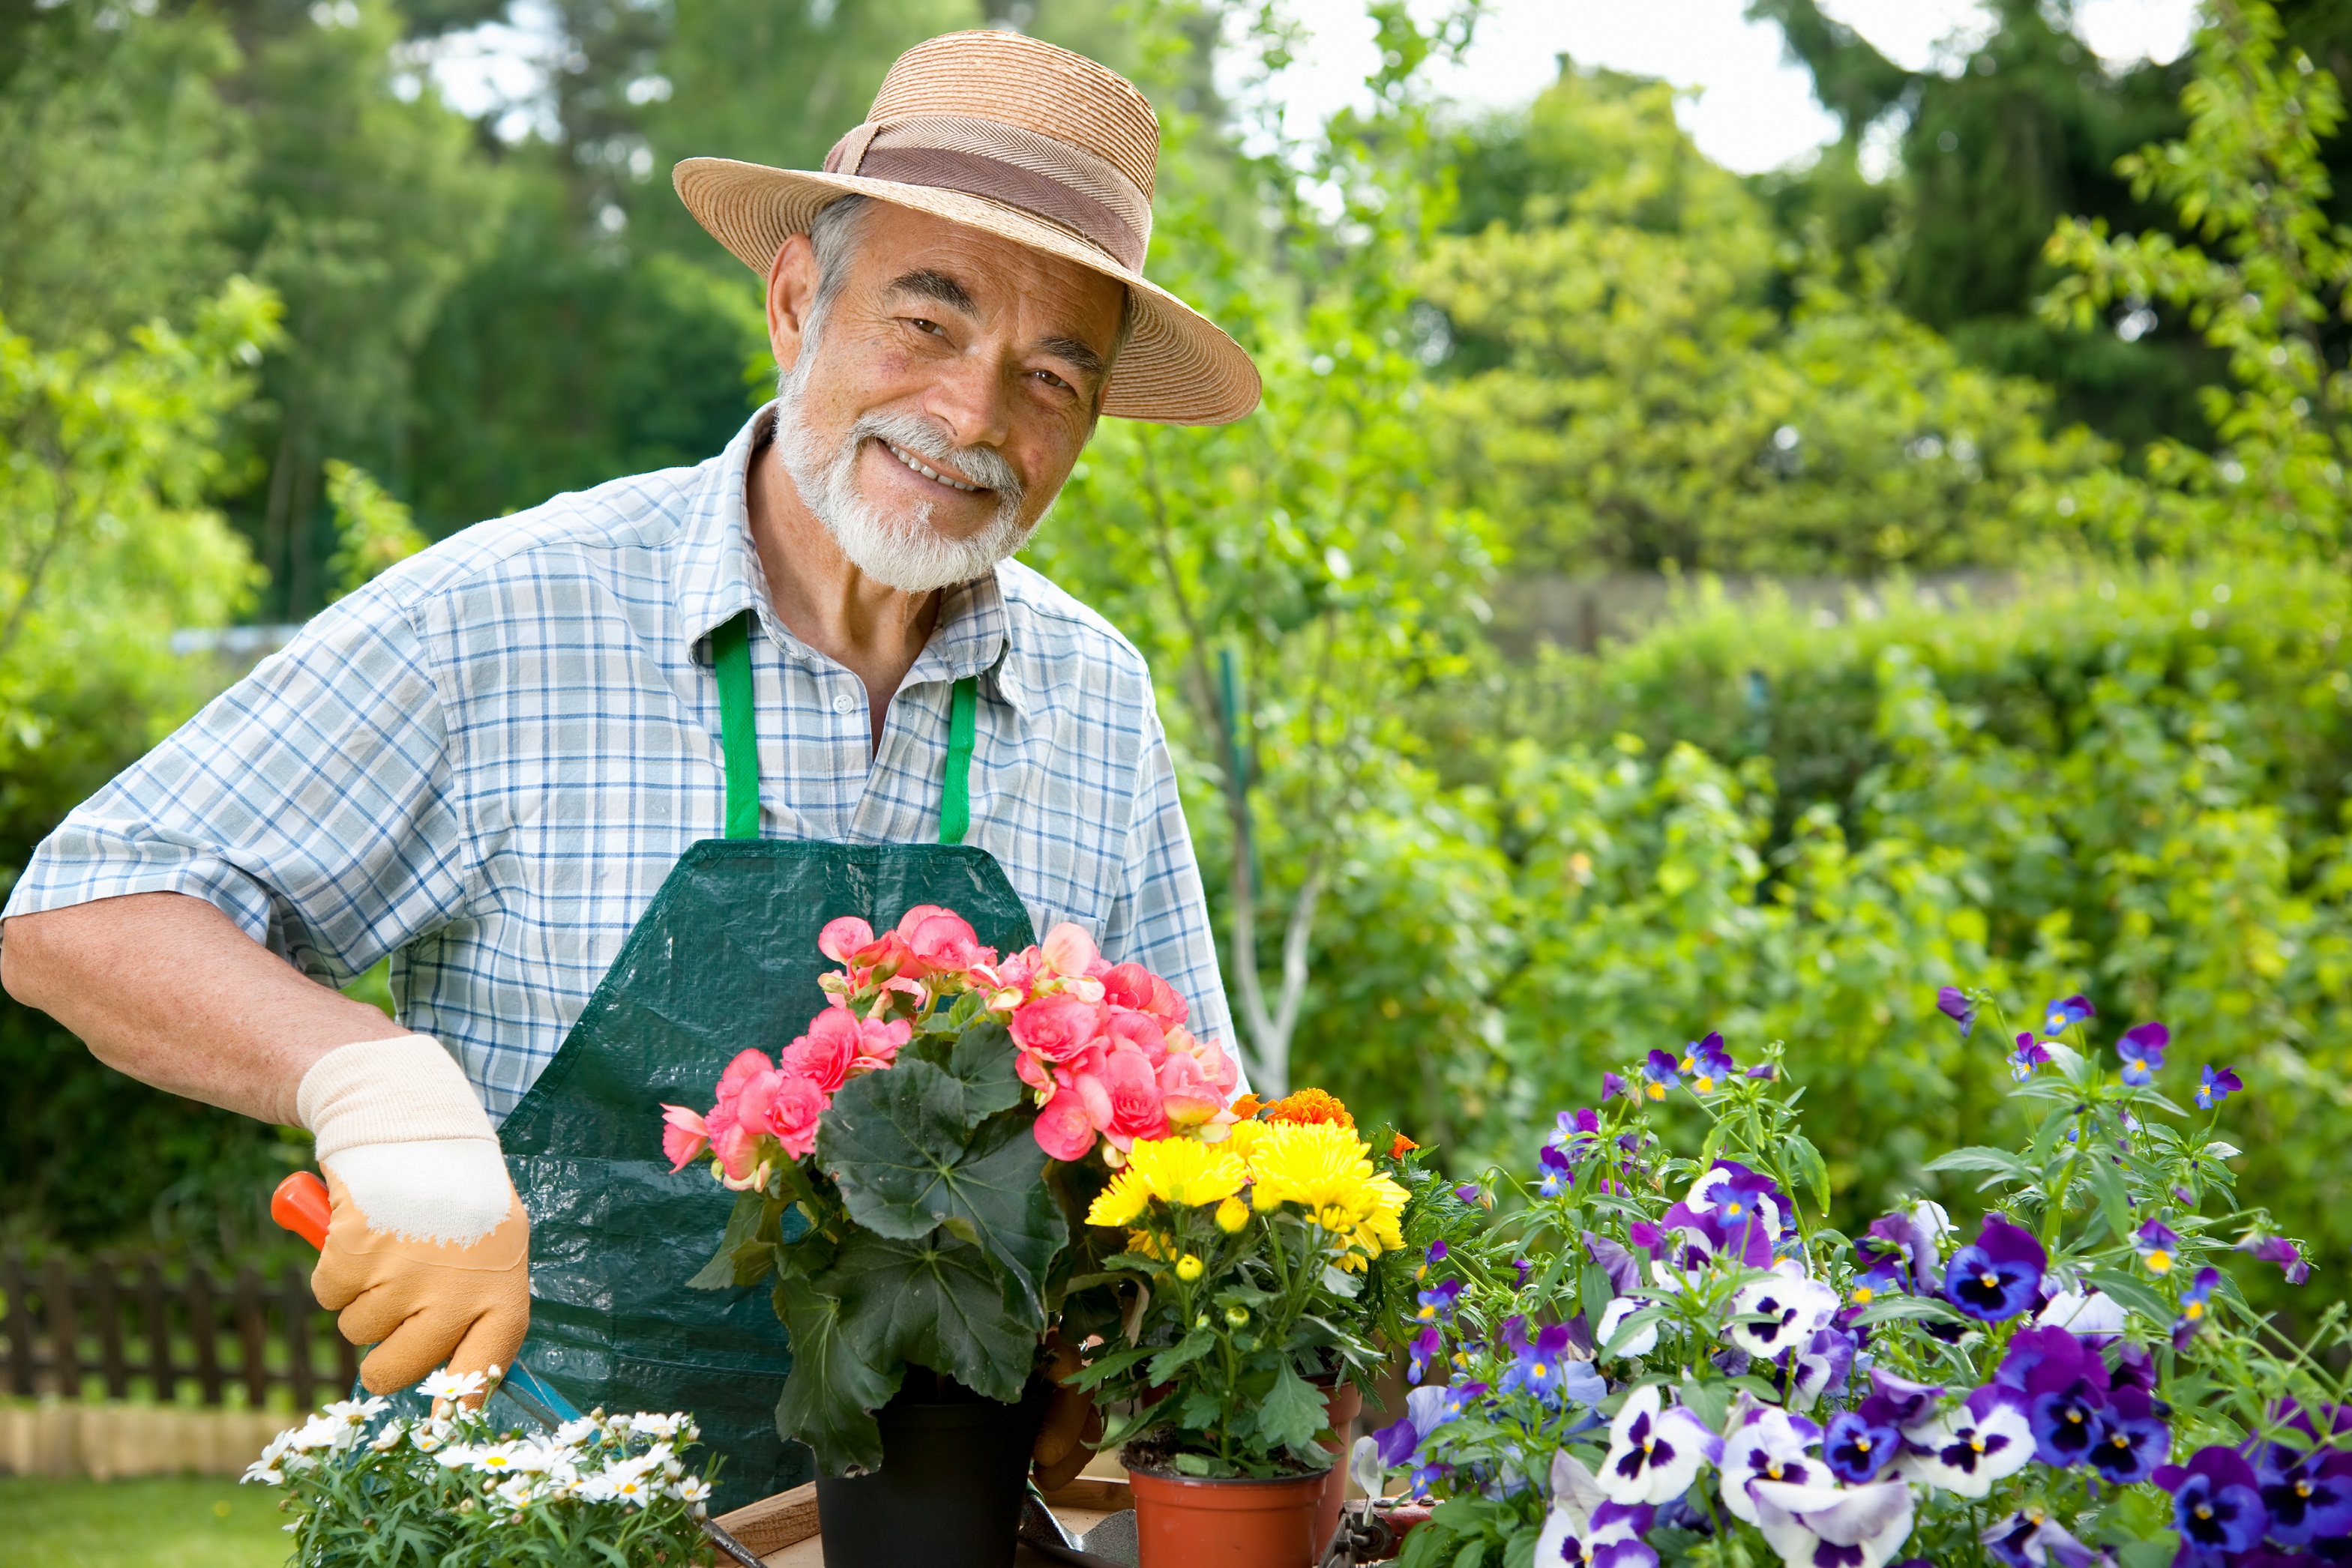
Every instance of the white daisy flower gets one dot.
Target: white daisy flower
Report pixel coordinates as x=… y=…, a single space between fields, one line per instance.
x=646 y=1426
x=444 y=1384
x=577 y=1430
x=389 y=1438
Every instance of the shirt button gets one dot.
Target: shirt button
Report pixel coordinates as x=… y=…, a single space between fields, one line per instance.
x=842 y=703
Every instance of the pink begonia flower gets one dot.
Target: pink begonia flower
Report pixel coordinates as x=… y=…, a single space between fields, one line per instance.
x=944 y=943
x=1187 y=1096
x=823 y=1055
x=1068 y=951
x=1137 y=1108
x=733 y=1143
x=1063 y=1129
x=1140 y=1030
x=1031 y=1069
x=844 y=937
x=1056 y=1027
x=1133 y=986
x=747 y=1065
x=1217 y=1066
x=786 y=1105
x=683 y=1136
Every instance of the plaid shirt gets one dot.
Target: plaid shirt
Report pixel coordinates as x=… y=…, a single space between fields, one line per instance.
x=485 y=762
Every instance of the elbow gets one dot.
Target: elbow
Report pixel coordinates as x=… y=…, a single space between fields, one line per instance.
x=29 y=957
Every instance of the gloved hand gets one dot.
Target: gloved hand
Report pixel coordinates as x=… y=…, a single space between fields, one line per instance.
x=428 y=1251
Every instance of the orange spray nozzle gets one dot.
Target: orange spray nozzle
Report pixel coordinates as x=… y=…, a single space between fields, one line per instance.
x=300 y=1205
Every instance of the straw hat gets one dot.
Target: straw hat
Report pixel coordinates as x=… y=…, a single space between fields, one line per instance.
x=1019 y=138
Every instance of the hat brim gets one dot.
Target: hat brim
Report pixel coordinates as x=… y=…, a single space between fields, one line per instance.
x=1178 y=368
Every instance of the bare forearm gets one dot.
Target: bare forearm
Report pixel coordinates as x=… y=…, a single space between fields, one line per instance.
x=167 y=988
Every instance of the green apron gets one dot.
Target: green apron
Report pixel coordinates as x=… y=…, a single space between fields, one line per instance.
x=724 y=960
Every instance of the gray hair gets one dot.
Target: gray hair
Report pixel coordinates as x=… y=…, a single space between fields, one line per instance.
x=834 y=235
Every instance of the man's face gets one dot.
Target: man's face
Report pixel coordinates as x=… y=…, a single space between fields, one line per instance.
x=952 y=385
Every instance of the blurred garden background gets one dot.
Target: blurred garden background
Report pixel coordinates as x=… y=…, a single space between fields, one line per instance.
x=1653 y=599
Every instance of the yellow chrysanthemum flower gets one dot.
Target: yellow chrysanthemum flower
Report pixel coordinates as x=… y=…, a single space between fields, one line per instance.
x=1243 y=1136
x=1231 y=1215
x=1121 y=1203
x=1326 y=1170
x=1186 y=1171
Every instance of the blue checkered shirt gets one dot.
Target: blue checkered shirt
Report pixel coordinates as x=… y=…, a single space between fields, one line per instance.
x=485 y=762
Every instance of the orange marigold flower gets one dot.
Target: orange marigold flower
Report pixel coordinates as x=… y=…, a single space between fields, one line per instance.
x=1308 y=1106
x=1244 y=1108
x=1402 y=1147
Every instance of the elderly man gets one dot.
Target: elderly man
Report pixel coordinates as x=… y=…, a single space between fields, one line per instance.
x=594 y=775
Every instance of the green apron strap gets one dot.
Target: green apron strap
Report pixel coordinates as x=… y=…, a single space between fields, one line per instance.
x=955 y=789
x=739 y=732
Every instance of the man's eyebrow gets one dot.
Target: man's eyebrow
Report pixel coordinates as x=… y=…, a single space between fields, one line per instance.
x=1081 y=358
x=926 y=284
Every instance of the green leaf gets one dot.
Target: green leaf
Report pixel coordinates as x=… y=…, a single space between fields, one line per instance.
x=895 y=1144
x=743 y=1225
x=1473 y=1552
x=1292 y=1411
x=934 y=1302
x=1194 y=1464
x=2107 y=1182
x=2156 y=1553
x=1806 y=1160
x=982 y=1064
x=1891 y=1307
x=1978 y=1158
x=831 y=1393
x=1180 y=1355
x=2136 y=1294
x=1710 y=1402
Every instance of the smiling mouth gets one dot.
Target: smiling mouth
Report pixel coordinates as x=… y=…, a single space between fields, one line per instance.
x=928 y=472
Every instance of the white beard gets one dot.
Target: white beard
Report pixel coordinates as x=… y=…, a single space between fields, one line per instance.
x=901 y=551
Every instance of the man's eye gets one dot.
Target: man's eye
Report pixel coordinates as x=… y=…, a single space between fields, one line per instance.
x=1052 y=380
x=920 y=325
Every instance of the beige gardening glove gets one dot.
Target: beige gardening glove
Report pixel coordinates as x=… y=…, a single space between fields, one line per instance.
x=428 y=1251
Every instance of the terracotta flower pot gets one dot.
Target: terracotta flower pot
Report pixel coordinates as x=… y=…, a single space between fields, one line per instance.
x=1204 y=1521
x=1342 y=1403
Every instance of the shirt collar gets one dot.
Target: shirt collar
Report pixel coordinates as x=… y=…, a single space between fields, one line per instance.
x=720 y=577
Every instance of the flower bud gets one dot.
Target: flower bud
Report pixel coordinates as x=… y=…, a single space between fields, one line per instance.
x=1237 y=1315
x=1188 y=1268
x=1231 y=1215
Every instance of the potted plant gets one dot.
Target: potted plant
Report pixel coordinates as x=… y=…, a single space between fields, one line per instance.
x=457 y=1492
x=1693 y=1368
x=1242 y=1264
x=909 y=1170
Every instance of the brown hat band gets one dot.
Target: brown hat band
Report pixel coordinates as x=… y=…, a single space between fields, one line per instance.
x=1049 y=179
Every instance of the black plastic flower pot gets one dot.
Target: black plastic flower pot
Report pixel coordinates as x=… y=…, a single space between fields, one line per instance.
x=954 y=1467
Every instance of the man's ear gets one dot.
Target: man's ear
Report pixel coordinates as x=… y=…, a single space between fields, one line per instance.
x=791 y=295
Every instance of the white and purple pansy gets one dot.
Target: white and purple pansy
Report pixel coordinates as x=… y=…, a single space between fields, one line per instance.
x=1762 y=1443
x=1585 y=1525
x=1655 y=1451
x=1965 y=1450
x=1831 y=1526
x=1779 y=1313
x=2032 y=1539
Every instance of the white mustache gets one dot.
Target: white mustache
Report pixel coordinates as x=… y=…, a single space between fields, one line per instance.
x=981 y=465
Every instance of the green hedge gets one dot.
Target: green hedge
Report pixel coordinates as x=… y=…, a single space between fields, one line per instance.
x=2127 y=784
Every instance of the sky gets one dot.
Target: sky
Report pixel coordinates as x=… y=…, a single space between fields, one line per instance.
x=1755 y=111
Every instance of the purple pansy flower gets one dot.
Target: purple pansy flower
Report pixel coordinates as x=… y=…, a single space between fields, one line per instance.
x=1576 y=1131
x=2217 y=1086
x=1557 y=1172
x=2060 y=1016
x=2133 y=1438
x=1426 y=1346
x=1624 y=1270
x=2156 y=1246
x=1612 y=1086
x=1764 y=1070
x=2308 y=1495
x=2217 y=1505
x=1898 y=1401
x=2142 y=1048
x=1857 y=1447
x=1708 y=1063
x=1762 y=1444
x=2193 y=1307
x=1998 y=1274
x=1856 y=1526
x=1584 y=1526
x=1437 y=1304
x=2028 y=1055
x=1958 y=1006
x=1661 y=1070
x=2278 y=1250
x=1654 y=1452
x=2065 y=1422
x=1820 y=1365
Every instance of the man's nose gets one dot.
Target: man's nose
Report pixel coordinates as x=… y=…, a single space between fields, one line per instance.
x=972 y=397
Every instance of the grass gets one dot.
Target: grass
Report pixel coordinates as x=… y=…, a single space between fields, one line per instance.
x=190 y=1522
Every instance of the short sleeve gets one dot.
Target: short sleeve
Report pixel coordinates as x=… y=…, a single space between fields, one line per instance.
x=312 y=802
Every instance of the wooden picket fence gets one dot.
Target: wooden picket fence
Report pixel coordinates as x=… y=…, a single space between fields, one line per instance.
x=113 y=1329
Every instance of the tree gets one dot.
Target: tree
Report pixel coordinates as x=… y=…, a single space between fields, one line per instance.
x=2270 y=285
x=1644 y=374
